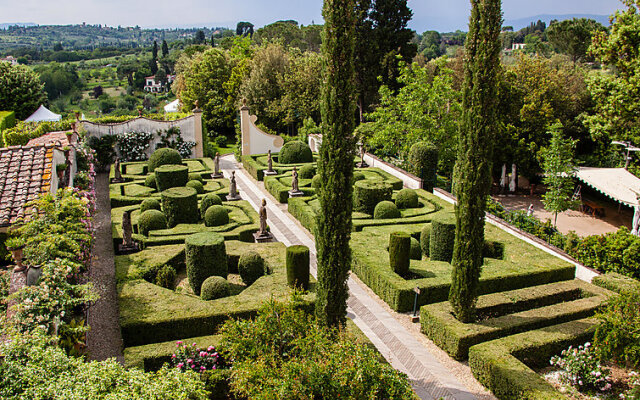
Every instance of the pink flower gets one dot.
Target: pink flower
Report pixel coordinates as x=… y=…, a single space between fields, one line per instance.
x=211 y=348
x=179 y=342
x=189 y=361
x=202 y=368
x=180 y=365
x=173 y=356
x=203 y=354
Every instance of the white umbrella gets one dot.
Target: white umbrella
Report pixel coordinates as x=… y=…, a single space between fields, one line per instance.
x=512 y=184
x=503 y=177
x=636 y=221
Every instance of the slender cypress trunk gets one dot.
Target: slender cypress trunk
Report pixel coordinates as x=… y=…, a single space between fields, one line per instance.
x=338 y=108
x=473 y=170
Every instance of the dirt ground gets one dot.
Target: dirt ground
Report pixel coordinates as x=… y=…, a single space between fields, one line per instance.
x=582 y=223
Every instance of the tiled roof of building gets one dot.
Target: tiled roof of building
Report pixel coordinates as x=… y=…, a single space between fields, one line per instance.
x=56 y=138
x=25 y=173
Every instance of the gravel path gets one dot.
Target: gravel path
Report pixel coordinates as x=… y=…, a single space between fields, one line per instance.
x=104 y=340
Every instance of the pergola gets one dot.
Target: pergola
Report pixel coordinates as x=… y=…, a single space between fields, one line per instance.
x=617 y=184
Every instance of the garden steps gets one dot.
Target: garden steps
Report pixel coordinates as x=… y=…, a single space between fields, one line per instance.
x=511 y=312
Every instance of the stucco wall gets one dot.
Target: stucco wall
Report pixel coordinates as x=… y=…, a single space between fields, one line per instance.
x=255 y=141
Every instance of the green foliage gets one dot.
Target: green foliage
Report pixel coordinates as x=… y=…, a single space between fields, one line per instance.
x=611 y=252
x=216 y=215
x=441 y=241
x=472 y=175
x=171 y=176
x=335 y=166
x=197 y=185
x=20 y=90
x=205 y=256
x=493 y=249
x=22 y=132
x=616 y=282
x=150 y=181
x=580 y=368
x=7 y=120
x=425 y=238
x=316 y=182
x=295 y=152
x=283 y=353
x=368 y=193
x=151 y=220
x=104 y=148
x=423 y=161
x=214 y=287
x=166 y=277
x=298 y=267
x=416 y=251
x=400 y=252
x=172 y=139
x=386 y=210
x=358 y=176
x=180 y=205
x=251 y=266
x=149 y=204
x=558 y=172
x=164 y=156
x=407 y=198
x=618 y=335
x=307 y=171
x=573 y=37
x=196 y=177
x=209 y=199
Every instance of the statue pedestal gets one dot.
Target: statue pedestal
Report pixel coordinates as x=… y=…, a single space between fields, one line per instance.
x=263 y=237
x=219 y=175
x=233 y=198
x=270 y=173
x=123 y=249
x=296 y=193
x=362 y=164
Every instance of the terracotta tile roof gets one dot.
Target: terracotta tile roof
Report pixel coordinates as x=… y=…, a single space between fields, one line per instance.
x=25 y=173
x=51 y=138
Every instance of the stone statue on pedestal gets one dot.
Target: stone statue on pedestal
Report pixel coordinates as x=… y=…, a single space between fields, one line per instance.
x=270 y=170
x=233 y=188
x=117 y=173
x=263 y=235
x=294 y=181
x=216 y=171
x=128 y=245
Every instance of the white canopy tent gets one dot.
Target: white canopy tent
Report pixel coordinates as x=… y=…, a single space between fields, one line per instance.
x=174 y=106
x=43 y=114
x=616 y=183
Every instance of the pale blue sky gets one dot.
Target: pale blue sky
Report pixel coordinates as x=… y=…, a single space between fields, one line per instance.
x=440 y=15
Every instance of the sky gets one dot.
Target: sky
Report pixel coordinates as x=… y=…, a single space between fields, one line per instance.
x=441 y=15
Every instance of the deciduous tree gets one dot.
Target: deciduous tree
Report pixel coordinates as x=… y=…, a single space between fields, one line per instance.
x=20 y=90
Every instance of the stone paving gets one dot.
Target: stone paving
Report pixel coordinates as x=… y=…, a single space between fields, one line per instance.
x=430 y=379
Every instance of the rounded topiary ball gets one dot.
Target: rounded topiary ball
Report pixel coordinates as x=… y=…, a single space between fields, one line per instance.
x=163 y=156
x=368 y=193
x=358 y=176
x=307 y=172
x=295 y=152
x=423 y=162
x=150 y=181
x=170 y=176
x=386 y=210
x=214 y=287
x=197 y=185
x=407 y=198
x=251 y=267
x=150 y=204
x=216 y=216
x=196 y=177
x=209 y=199
x=151 y=220
x=416 y=251
x=316 y=182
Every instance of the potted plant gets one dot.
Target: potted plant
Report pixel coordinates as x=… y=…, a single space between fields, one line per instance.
x=70 y=133
x=16 y=246
x=60 y=169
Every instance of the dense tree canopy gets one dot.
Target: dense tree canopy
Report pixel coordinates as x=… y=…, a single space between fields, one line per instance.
x=573 y=37
x=20 y=90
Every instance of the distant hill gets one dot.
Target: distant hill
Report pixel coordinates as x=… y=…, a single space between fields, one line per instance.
x=8 y=24
x=524 y=22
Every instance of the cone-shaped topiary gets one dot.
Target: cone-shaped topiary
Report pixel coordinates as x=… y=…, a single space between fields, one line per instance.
x=307 y=171
x=295 y=152
x=180 y=205
x=386 y=210
x=205 y=256
x=423 y=159
x=209 y=199
x=150 y=204
x=368 y=193
x=151 y=220
x=214 y=287
x=170 y=176
x=425 y=237
x=251 y=267
x=400 y=252
x=194 y=176
x=150 y=181
x=407 y=198
x=298 y=267
x=216 y=216
x=316 y=182
x=164 y=156
x=197 y=185
x=443 y=233
x=416 y=251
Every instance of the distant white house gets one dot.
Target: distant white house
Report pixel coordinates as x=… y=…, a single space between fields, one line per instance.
x=518 y=46
x=157 y=87
x=172 y=107
x=10 y=59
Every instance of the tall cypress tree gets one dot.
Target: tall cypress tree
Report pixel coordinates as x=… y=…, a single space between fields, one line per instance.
x=165 y=48
x=333 y=228
x=473 y=170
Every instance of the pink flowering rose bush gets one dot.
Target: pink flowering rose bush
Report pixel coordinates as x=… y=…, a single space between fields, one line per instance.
x=192 y=358
x=581 y=368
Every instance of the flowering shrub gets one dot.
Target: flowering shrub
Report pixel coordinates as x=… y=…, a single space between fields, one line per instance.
x=581 y=368
x=618 y=335
x=191 y=358
x=133 y=145
x=634 y=391
x=171 y=138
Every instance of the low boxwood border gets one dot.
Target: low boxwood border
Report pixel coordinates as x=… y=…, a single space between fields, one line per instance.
x=616 y=282
x=503 y=365
x=281 y=191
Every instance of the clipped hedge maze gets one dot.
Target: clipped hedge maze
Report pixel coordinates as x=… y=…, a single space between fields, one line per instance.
x=257 y=164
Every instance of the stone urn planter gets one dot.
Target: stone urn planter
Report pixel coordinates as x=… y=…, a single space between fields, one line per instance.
x=17 y=253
